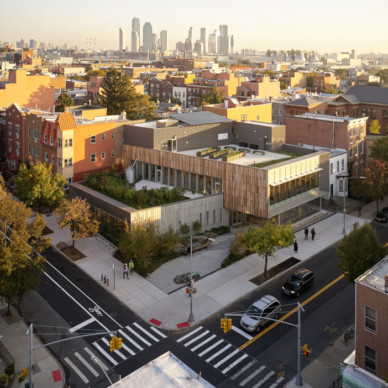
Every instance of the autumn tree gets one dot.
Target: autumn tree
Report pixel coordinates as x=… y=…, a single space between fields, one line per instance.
x=374 y=127
x=359 y=251
x=379 y=149
x=63 y=100
x=267 y=239
x=211 y=97
x=38 y=187
x=77 y=216
x=20 y=242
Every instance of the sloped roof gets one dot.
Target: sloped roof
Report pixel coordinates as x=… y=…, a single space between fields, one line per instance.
x=197 y=118
x=367 y=94
x=66 y=121
x=305 y=101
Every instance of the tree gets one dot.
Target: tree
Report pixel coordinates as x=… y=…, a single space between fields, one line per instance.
x=175 y=100
x=359 y=251
x=20 y=266
x=283 y=85
x=374 y=127
x=375 y=184
x=64 y=100
x=38 y=187
x=76 y=216
x=379 y=149
x=342 y=73
x=267 y=239
x=142 y=107
x=212 y=97
x=330 y=90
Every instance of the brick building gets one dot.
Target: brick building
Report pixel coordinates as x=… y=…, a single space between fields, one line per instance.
x=320 y=82
x=161 y=90
x=306 y=105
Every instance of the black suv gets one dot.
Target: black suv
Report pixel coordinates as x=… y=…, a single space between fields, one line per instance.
x=382 y=215
x=303 y=278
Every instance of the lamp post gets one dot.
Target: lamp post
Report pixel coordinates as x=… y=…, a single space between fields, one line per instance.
x=191 y=316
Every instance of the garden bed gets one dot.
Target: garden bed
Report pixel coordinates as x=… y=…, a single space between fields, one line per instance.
x=73 y=253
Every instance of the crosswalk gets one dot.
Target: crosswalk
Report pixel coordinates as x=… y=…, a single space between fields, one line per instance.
x=230 y=361
x=88 y=362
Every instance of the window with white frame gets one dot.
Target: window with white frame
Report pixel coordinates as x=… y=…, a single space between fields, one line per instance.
x=68 y=143
x=17 y=130
x=103 y=136
x=68 y=181
x=370 y=359
x=102 y=155
x=51 y=140
x=9 y=129
x=46 y=157
x=9 y=145
x=351 y=132
x=59 y=162
x=93 y=139
x=52 y=159
x=113 y=135
x=340 y=185
x=343 y=164
x=17 y=149
x=68 y=162
x=45 y=139
x=36 y=134
x=93 y=158
x=36 y=151
x=370 y=319
x=112 y=154
x=59 y=142
x=337 y=166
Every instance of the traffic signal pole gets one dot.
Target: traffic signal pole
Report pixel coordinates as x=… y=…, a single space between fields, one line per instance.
x=298 y=380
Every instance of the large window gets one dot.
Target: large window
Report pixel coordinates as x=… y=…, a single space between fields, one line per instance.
x=68 y=162
x=93 y=139
x=93 y=158
x=36 y=134
x=370 y=319
x=68 y=142
x=370 y=359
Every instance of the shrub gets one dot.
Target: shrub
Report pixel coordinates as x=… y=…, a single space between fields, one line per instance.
x=221 y=230
x=10 y=369
x=4 y=378
x=238 y=250
x=185 y=229
x=197 y=226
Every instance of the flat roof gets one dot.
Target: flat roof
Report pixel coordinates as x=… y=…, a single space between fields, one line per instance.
x=375 y=276
x=337 y=119
x=197 y=118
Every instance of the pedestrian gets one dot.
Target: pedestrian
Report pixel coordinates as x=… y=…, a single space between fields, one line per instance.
x=306 y=234
x=295 y=246
x=131 y=266
x=125 y=271
x=359 y=211
x=312 y=234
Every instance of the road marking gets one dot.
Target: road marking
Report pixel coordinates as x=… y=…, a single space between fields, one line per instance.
x=91 y=354
x=234 y=364
x=81 y=325
x=210 y=348
x=102 y=351
x=146 y=332
x=243 y=369
x=132 y=341
x=76 y=370
x=242 y=332
x=94 y=372
x=138 y=335
x=196 y=338
x=276 y=383
x=116 y=351
x=203 y=343
x=230 y=355
x=158 y=332
x=218 y=353
x=190 y=334
x=284 y=317
x=251 y=376
x=264 y=379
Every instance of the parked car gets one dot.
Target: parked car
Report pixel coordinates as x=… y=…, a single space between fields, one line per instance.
x=256 y=315
x=301 y=279
x=382 y=215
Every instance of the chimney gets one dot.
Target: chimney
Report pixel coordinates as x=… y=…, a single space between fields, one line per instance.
x=386 y=283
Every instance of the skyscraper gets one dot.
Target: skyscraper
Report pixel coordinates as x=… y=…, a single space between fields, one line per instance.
x=203 y=40
x=147 y=37
x=135 y=35
x=212 y=46
x=164 y=44
x=121 y=39
x=223 y=41
x=232 y=44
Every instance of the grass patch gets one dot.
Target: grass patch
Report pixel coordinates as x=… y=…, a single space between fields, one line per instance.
x=292 y=155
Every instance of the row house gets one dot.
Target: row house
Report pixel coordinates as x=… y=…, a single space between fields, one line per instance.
x=320 y=82
x=263 y=87
x=161 y=90
x=293 y=79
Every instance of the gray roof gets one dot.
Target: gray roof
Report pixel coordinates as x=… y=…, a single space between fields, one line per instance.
x=367 y=94
x=305 y=101
x=197 y=118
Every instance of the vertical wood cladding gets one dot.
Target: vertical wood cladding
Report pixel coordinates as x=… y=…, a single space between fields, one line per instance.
x=245 y=188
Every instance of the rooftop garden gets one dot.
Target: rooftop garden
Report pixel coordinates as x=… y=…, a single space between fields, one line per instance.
x=291 y=155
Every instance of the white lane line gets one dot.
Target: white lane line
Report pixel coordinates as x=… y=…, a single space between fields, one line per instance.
x=146 y=332
x=76 y=370
x=230 y=355
x=218 y=353
x=76 y=301
x=264 y=379
x=102 y=351
x=116 y=351
x=203 y=343
x=251 y=376
x=78 y=289
x=128 y=349
x=242 y=332
x=81 y=325
x=94 y=372
x=131 y=340
x=233 y=364
x=138 y=336
x=276 y=383
x=196 y=338
x=210 y=348
x=157 y=331
x=188 y=335
x=92 y=355
x=243 y=369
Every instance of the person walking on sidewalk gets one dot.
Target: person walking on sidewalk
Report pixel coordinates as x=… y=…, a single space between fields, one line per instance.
x=359 y=211
x=125 y=271
x=131 y=266
x=295 y=246
x=312 y=234
x=306 y=234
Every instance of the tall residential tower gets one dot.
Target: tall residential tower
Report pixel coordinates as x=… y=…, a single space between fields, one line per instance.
x=122 y=41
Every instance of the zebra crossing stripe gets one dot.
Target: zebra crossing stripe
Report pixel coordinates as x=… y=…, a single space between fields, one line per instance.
x=243 y=369
x=91 y=354
x=131 y=340
x=234 y=363
x=146 y=332
x=158 y=332
x=203 y=343
x=76 y=370
x=116 y=351
x=230 y=355
x=128 y=349
x=196 y=338
x=210 y=348
x=218 y=353
x=102 y=351
x=242 y=332
x=251 y=376
x=276 y=383
x=264 y=379
x=138 y=336
x=94 y=372
x=190 y=334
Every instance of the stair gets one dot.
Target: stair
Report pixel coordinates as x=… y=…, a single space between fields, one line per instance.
x=351 y=204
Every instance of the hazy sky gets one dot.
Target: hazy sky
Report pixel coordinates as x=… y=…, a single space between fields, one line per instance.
x=323 y=26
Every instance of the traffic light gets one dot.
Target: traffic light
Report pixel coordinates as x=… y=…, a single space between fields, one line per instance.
x=23 y=375
x=118 y=343
x=229 y=324
x=306 y=351
x=224 y=325
x=112 y=344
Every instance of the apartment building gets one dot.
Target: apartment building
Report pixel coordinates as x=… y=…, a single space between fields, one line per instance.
x=263 y=87
x=306 y=105
x=161 y=90
x=293 y=79
x=320 y=82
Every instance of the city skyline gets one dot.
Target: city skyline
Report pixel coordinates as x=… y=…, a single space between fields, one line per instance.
x=336 y=26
